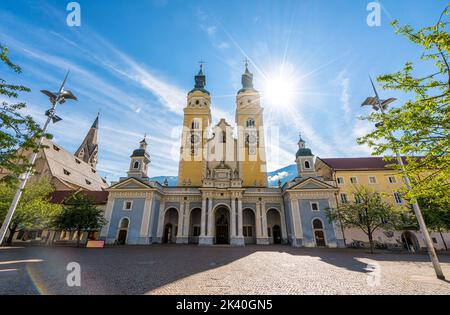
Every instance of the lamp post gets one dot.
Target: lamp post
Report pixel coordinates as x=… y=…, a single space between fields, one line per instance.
x=55 y=98
x=381 y=105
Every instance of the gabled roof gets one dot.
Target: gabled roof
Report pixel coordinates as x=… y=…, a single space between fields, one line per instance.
x=362 y=163
x=138 y=184
x=312 y=183
x=69 y=169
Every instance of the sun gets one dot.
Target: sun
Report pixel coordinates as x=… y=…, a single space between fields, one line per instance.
x=281 y=88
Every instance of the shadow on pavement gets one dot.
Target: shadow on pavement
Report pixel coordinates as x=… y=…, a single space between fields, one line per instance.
x=139 y=270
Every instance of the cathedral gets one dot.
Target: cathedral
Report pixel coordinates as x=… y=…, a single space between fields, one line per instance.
x=222 y=195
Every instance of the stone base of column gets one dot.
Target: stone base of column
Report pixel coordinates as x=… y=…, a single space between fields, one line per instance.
x=182 y=240
x=143 y=240
x=109 y=241
x=205 y=240
x=297 y=242
x=237 y=241
x=157 y=240
x=262 y=241
x=341 y=243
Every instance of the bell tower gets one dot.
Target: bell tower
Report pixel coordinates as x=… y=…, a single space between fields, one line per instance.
x=139 y=161
x=251 y=145
x=196 y=123
x=305 y=160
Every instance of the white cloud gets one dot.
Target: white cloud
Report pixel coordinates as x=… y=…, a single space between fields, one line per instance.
x=222 y=45
x=344 y=83
x=278 y=176
x=211 y=30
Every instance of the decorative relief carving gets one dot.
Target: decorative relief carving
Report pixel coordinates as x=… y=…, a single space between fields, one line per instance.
x=130 y=194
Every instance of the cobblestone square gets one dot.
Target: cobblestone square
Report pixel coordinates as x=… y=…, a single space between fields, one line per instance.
x=252 y=270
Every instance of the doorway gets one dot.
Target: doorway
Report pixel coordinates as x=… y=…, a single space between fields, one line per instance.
x=222 y=226
x=276 y=234
x=122 y=238
x=167 y=233
x=410 y=242
x=319 y=234
x=123 y=231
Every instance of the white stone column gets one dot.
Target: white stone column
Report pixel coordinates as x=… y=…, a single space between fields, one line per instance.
x=262 y=208
x=143 y=234
x=203 y=218
x=296 y=223
x=108 y=215
x=210 y=218
x=233 y=217
x=187 y=220
x=180 y=219
x=283 y=222
x=207 y=237
x=240 y=223
x=159 y=233
x=258 y=220
x=181 y=238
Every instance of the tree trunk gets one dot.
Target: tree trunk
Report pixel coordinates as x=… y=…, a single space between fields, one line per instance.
x=12 y=230
x=371 y=242
x=443 y=240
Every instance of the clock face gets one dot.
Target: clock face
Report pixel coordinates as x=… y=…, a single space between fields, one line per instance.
x=252 y=139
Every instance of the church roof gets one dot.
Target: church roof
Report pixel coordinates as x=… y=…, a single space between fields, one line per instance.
x=88 y=150
x=303 y=152
x=70 y=170
x=361 y=163
x=138 y=152
x=60 y=196
x=200 y=82
x=95 y=124
x=247 y=82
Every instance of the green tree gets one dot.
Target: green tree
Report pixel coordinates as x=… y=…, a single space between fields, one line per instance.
x=368 y=213
x=17 y=130
x=34 y=209
x=80 y=214
x=437 y=216
x=421 y=126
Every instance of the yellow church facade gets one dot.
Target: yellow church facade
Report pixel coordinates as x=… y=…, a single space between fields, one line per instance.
x=223 y=197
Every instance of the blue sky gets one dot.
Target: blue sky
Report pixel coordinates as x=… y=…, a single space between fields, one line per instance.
x=135 y=61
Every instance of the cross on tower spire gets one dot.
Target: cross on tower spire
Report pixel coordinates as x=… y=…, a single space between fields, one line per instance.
x=246 y=61
x=201 y=62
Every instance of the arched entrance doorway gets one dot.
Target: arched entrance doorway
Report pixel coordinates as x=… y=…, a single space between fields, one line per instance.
x=222 y=220
x=274 y=226
x=123 y=231
x=276 y=232
x=319 y=233
x=249 y=226
x=194 y=225
x=170 y=226
x=410 y=242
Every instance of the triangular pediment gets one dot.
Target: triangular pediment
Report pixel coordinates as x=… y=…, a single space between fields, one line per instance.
x=130 y=183
x=312 y=183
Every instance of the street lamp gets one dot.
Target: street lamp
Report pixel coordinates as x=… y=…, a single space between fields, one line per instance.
x=381 y=105
x=55 y=98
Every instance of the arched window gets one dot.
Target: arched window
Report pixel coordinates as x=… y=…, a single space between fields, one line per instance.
x=224 y=137
x=250 y=123
x=317 y=224
x=195 y=124
x=136 y=165
x=124 y=223
x=307 y=165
